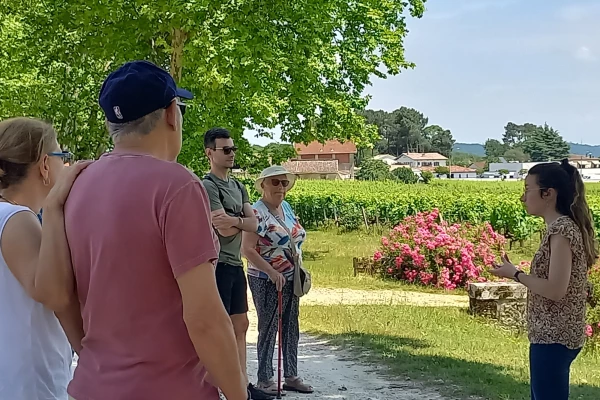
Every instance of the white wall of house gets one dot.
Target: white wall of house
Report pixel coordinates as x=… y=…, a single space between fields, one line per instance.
x=511 y=166
x=405 y=160
x=464 y=175
x=590 y=173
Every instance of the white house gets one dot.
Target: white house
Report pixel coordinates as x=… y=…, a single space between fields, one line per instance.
x=417 y=160
x=386 y=158
x=456 y=172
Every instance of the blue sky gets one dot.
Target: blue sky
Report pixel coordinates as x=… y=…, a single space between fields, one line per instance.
x=482 y=63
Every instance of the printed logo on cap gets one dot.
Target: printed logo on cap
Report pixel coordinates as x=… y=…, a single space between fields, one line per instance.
x=117 y=111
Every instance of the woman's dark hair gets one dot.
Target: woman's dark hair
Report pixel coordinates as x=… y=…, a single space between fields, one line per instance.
x=23 y=141
x=570 y=199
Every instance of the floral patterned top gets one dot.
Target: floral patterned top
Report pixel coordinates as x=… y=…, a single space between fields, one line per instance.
x=274 y=244
x=562 y=321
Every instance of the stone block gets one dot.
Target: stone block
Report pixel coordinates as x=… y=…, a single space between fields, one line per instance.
x=504 y=301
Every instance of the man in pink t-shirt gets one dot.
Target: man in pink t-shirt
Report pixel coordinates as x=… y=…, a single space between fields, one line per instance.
x=143 y=252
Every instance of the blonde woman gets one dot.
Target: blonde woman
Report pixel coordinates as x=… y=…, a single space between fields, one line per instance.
x=271 y=252
x=35 y=361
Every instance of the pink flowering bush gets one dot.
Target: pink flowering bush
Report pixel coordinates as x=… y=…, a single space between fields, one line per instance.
x=426 y=250
x=592 y=330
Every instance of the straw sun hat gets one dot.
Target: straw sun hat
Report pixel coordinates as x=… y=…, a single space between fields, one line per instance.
x=274 y=170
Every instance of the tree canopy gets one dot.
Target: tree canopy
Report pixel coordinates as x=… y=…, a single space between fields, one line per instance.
x=527 y=142
x=302 y=66
x=406 y=130
x=546 y=144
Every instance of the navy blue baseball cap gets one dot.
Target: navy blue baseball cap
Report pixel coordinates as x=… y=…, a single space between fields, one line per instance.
x=136 y=89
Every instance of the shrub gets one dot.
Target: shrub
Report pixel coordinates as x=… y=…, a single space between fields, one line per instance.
x=426 y=250
x=593 y=311
x=442 y=170
x=405 y=175
x=373 y=170
x=426 y=176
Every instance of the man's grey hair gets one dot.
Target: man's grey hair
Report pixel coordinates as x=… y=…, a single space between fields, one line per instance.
x=141 y=126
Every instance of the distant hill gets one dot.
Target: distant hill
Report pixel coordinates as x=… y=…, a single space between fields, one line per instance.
x=478 y=149
x=470 y=148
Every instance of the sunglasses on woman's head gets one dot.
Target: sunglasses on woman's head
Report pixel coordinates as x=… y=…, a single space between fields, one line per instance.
x=66 y=156
x=284 y=182
x=227 y=150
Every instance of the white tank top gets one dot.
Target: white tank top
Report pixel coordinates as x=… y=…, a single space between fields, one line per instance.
x=35 y=356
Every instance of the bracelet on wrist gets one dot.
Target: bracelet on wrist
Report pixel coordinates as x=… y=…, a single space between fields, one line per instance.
x=516 y=275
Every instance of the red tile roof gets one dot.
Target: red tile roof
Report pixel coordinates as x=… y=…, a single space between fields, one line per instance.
x=330 y=147
x=424 y=156
x=312 y=167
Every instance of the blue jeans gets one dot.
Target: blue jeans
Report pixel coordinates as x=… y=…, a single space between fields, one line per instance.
x=550 y=367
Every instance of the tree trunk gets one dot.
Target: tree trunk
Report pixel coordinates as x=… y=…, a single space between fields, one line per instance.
x=177 y=41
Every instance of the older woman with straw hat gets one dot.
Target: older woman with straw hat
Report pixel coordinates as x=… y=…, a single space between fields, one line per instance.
x=273 y=253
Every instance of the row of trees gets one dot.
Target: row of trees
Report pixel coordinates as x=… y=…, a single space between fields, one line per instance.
x=251 y=64
x=528 y=142
x=406 y=130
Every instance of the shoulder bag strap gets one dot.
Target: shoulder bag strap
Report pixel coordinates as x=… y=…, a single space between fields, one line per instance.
x=209 y=178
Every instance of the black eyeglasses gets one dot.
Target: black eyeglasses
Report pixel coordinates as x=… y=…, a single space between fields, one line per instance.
x=227 y=149
x=182 y=107
x=66 y=156
x=533 y=190
x=284 y=182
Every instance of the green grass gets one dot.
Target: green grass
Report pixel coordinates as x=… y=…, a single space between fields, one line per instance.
x=328 y=256
x=444 y=348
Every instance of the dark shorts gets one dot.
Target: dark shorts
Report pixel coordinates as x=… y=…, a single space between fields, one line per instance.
x=233 y=286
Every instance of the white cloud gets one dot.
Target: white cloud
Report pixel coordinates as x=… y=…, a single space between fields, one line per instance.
x=585 y=53
x=578 y=12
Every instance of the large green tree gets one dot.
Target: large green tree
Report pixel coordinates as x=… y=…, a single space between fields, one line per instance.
x=406 y=130
x=439 y=139
x=299 y=65
x=516 y=154
x=546 y=144
x=515 y=134
x=411 y=125
x=494 y=149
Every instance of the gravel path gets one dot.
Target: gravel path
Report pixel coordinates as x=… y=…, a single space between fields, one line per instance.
x=320 y=296
x=335 y=373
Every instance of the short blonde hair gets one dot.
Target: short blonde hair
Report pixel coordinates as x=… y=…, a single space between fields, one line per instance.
x=23 y=141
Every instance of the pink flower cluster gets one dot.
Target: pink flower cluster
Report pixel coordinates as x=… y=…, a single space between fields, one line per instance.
x=424 y=249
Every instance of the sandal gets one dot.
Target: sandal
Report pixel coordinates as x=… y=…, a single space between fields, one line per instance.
x=297 y=385
x=269 y=388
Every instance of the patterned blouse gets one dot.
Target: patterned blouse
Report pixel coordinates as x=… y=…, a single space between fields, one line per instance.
x=274 y=244
x=560 y=321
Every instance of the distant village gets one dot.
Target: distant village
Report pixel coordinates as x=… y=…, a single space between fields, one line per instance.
x=336 y=160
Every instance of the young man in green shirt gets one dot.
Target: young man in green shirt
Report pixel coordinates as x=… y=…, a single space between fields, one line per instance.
x=231 y=214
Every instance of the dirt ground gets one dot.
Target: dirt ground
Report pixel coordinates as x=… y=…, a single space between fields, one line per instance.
x=336 y=374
